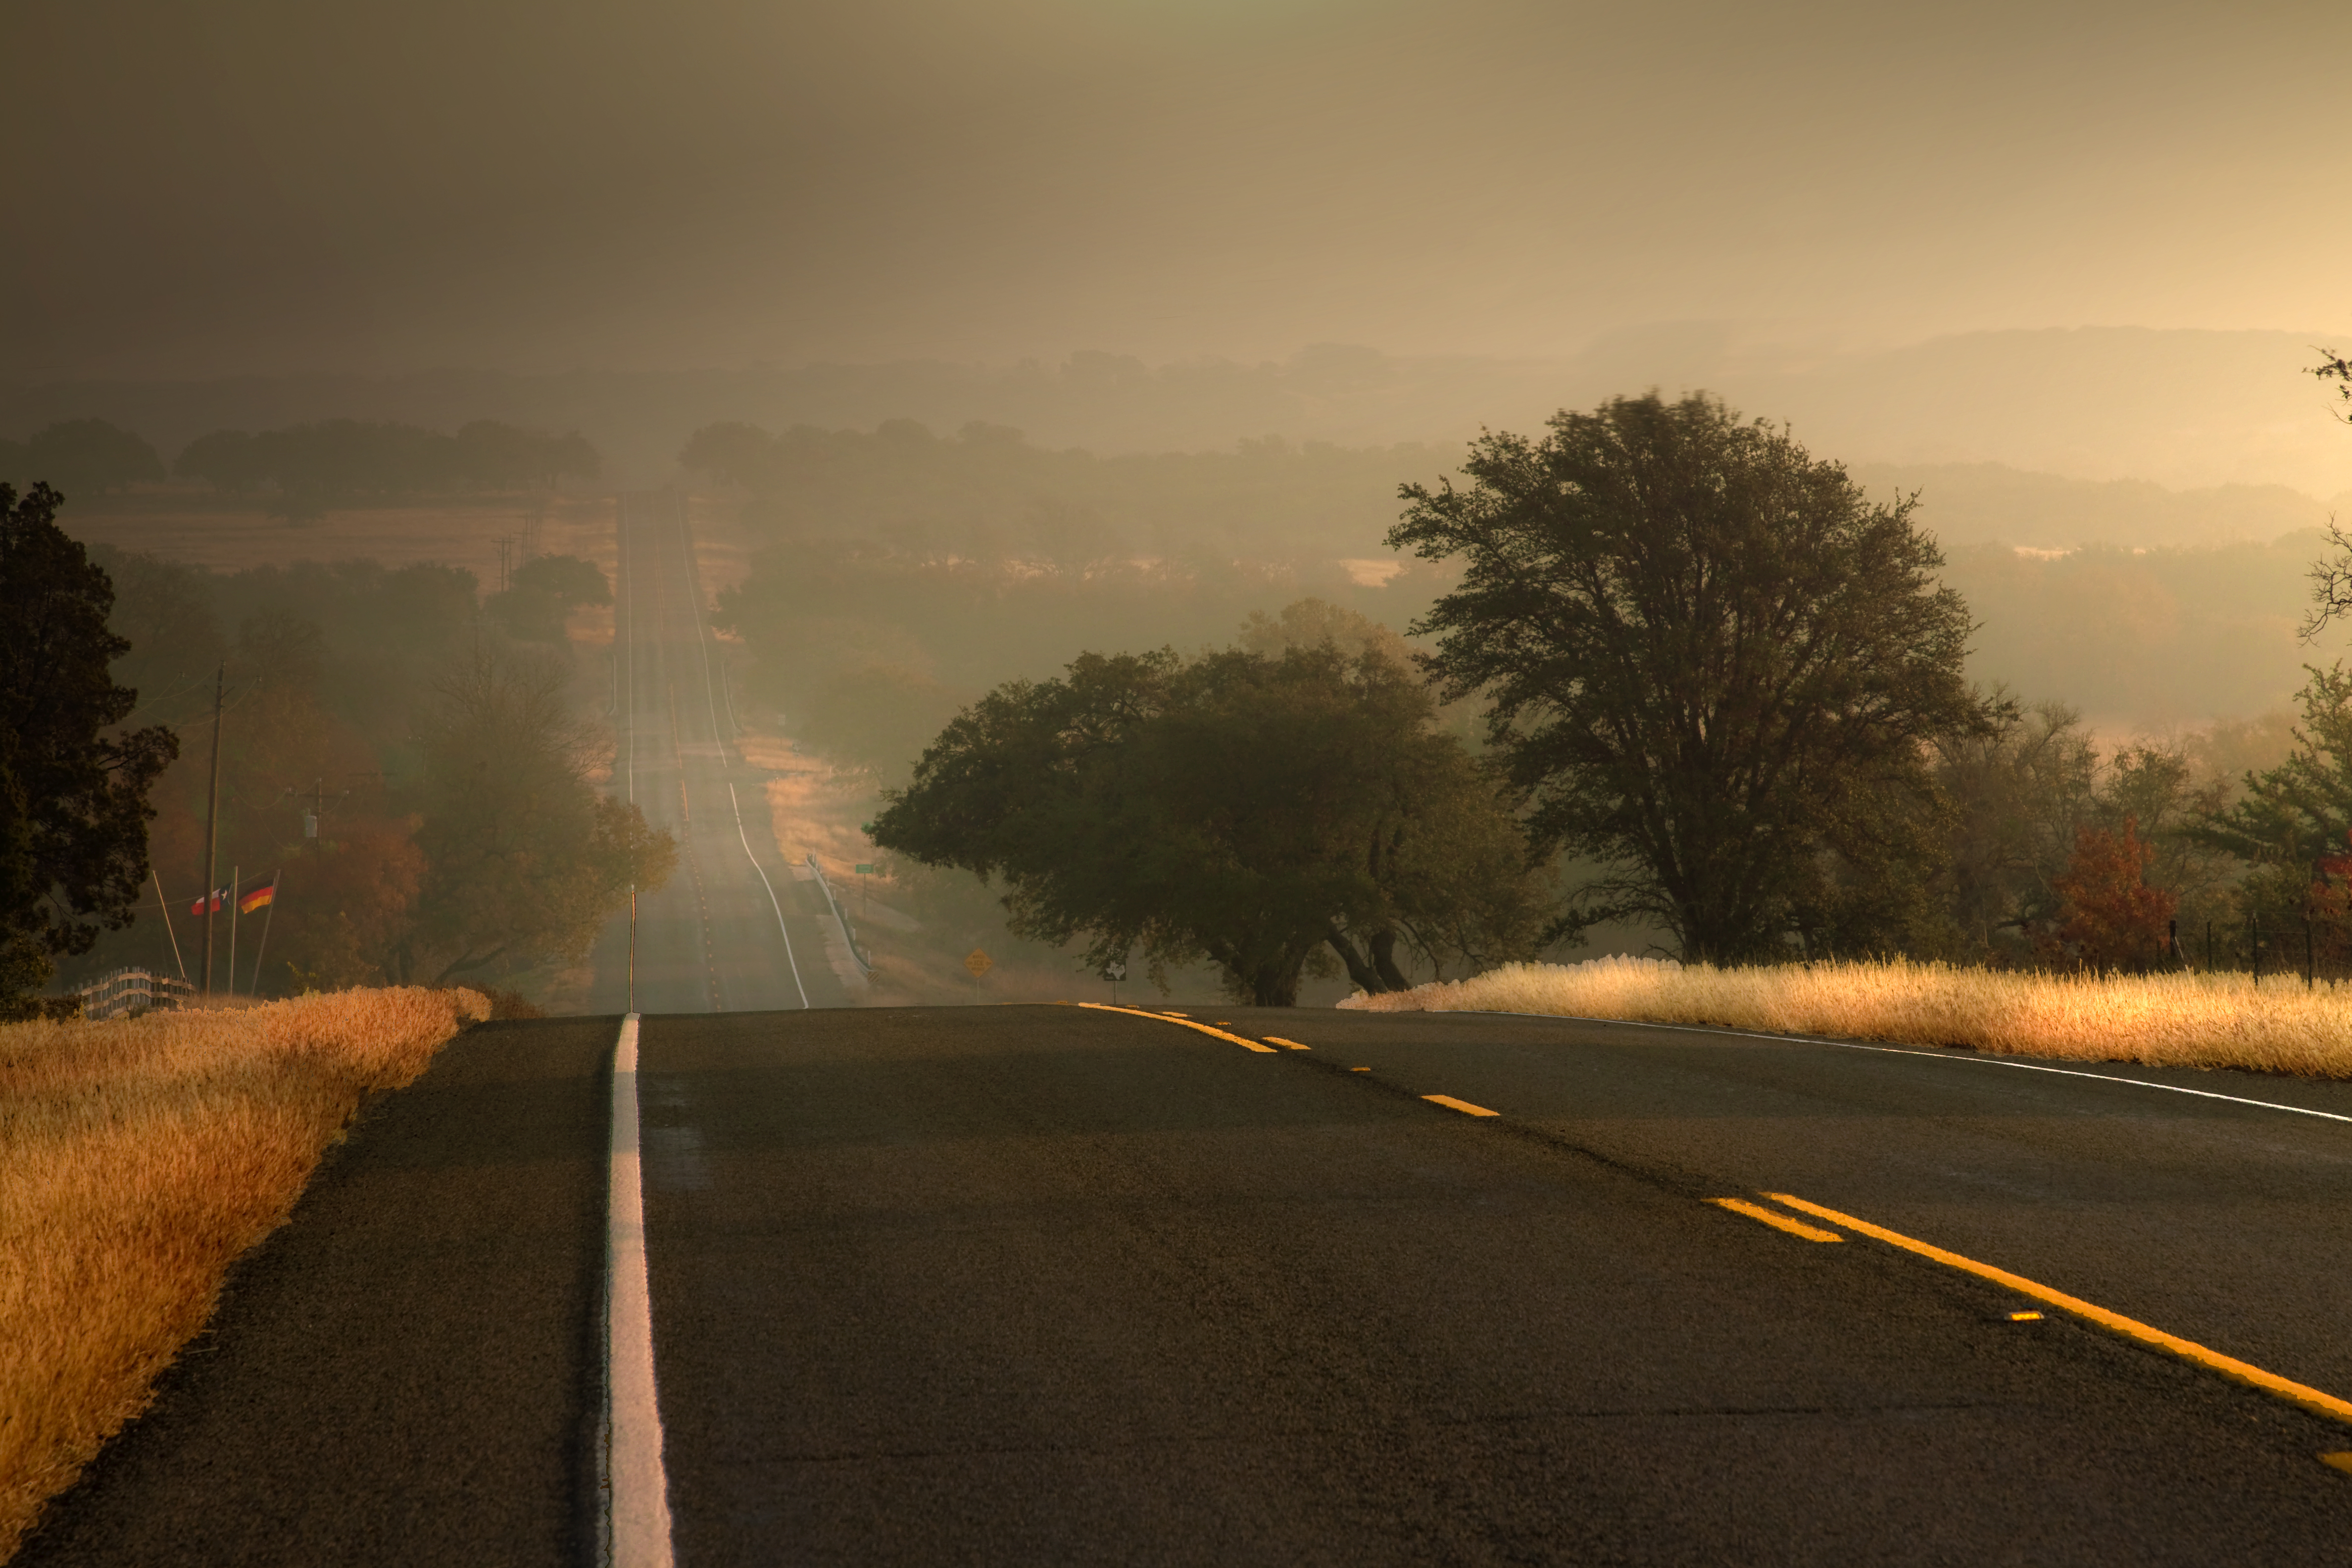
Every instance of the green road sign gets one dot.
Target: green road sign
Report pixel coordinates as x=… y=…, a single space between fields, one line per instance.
x=866 y=870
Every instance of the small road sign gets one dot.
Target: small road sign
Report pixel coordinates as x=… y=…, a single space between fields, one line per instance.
x=977 y=962
x=865 y=870
x=1115 y=970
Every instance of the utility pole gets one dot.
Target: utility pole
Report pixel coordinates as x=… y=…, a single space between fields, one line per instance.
x=211 y=824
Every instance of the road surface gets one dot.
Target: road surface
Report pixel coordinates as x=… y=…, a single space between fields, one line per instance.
x=735 y=930
x=1058 y=1284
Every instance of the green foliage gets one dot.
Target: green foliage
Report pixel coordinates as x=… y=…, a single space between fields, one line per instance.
x=1240 y=807
x=2291 y=827
x=1710 y=658
x=524 y=860
x=73 y=796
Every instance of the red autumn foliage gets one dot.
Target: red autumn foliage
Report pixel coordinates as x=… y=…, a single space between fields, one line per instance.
x=2108 y=917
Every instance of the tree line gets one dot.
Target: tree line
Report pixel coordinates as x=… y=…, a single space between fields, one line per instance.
x=1723 y=701
x=304 y=467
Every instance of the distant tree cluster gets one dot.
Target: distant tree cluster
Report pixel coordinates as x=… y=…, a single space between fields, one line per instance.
x=542 y=592
x=80 y=457
x=344 y=459
x=987 y=494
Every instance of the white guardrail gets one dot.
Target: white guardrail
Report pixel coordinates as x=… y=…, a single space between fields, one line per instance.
x=848 y=932
x=132 y=990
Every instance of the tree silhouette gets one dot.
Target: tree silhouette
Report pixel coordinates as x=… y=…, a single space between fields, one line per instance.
x=73 y=797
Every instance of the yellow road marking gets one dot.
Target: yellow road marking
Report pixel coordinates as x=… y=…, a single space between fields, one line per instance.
x=1777 y=1221
x=2341 y=1461
x=1448 y=1101
x=2227 y=1366
x=1294 y=1044
x=2025 y=1317
x=1360 y=1070
x=1181 y=1022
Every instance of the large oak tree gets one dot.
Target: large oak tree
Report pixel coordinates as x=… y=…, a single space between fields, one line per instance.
x=1242 y=807
x=1712 y=661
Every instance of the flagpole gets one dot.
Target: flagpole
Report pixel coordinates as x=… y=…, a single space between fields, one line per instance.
x=235 y=881
x=212 y=824
x=262 y=946
x=167 y=910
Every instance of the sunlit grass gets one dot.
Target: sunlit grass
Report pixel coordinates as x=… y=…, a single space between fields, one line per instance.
x=2168 y=1020
x=138 y=1158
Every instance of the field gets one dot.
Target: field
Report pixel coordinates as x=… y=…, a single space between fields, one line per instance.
x=139 y=1157
x=2162 y=1020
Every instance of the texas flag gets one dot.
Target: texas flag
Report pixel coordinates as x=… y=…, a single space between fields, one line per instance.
x=211 y=906
x=258 y=898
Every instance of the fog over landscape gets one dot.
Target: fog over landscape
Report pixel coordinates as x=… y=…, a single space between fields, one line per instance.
x=1175 y=781
x=1048 y=327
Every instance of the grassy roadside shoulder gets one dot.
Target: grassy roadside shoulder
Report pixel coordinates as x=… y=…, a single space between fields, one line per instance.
x=139 y=1157
x=2159 y=1020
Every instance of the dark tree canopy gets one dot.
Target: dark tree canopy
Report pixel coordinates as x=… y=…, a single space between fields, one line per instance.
x=73 y=798
x=1712 y=661
x=1245 y=808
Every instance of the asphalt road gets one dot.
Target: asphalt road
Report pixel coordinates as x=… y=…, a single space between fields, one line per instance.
x=1054 y=1284
x=1045 y=1284
x=735 y=929
x=409 y=1370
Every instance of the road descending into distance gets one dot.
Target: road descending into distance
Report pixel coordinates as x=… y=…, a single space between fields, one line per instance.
x=1040 y=1284
x=736 y=930
x=1073 y=1284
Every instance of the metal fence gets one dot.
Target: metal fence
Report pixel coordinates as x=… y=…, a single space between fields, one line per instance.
x=132 y=990
x=848 y=932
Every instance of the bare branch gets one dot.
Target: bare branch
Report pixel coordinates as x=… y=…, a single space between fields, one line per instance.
x=2331 y=585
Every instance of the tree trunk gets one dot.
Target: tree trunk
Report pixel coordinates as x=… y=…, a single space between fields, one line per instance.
x=1367 y=979
x=1383 y=946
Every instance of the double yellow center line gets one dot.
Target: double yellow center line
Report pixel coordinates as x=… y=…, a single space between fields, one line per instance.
x=2296 y=1393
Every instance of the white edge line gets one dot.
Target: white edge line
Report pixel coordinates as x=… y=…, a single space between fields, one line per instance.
x=636 y=1498
x=1980 y=1060
x=772 y=894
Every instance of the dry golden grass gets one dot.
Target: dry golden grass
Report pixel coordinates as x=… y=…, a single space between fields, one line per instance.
x=2163 y=1020
x=138 y=1158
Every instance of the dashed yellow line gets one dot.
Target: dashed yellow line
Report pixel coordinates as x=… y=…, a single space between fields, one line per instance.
x=2131 y=1327
x=1181 y=1023
x=1464 y=1106
x=1294 y=1044
x=1777 y=1221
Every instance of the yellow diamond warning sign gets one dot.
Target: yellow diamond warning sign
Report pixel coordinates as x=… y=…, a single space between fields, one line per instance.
x=979 y=963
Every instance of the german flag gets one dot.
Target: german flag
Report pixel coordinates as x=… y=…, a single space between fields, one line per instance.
x=266 y=894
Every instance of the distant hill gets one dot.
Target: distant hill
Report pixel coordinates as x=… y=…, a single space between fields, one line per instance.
x=1989 y=503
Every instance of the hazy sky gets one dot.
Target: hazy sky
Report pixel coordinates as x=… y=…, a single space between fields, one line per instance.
x=271 y=186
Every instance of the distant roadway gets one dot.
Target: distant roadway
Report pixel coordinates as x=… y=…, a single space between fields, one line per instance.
x=735 y=930
x=1036 y=1284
